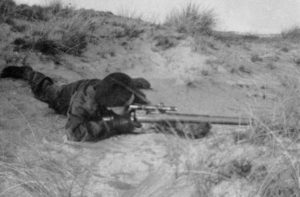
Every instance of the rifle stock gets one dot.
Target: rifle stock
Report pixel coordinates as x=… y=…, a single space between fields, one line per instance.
x=192 y=118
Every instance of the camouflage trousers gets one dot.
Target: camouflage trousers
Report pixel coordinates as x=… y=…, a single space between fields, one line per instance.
x=44 y=89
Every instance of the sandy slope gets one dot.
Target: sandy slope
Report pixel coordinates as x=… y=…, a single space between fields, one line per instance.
x=211 y=77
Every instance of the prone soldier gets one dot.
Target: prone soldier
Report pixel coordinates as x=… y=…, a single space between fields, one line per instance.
x=86 y=102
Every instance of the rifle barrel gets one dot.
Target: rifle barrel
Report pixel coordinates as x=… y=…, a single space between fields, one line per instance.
x=193 y=118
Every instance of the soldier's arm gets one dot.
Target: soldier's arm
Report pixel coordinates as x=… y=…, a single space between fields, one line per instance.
x=80 y=124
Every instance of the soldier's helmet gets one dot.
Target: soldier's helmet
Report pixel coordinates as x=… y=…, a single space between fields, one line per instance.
x=116 y=89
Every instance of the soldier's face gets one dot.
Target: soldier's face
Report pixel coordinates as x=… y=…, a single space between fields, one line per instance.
x=122 y=110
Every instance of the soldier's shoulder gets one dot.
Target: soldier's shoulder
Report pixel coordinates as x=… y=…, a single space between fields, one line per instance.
x=82 y=85
x=87 y=87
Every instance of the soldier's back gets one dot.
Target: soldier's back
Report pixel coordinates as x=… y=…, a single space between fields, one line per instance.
x=62 y=101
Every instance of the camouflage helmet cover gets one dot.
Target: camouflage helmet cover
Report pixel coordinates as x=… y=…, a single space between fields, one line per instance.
x=116 y=89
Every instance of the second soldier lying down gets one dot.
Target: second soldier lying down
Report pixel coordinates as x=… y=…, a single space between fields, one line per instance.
x=87 y=102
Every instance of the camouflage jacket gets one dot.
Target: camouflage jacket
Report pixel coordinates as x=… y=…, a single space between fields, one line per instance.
x=84 y=115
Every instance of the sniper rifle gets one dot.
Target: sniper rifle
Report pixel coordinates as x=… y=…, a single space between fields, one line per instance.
x=161 y=113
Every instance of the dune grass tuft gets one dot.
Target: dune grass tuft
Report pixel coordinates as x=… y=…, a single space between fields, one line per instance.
x=192 y=20
x=291 y=34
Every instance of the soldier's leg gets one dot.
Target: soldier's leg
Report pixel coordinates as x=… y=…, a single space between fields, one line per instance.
x=43 y=87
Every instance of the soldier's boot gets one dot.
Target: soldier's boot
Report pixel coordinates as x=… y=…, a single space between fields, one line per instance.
x=17 y=72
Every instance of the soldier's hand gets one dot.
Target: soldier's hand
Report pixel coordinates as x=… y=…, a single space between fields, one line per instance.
x=124 y=124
